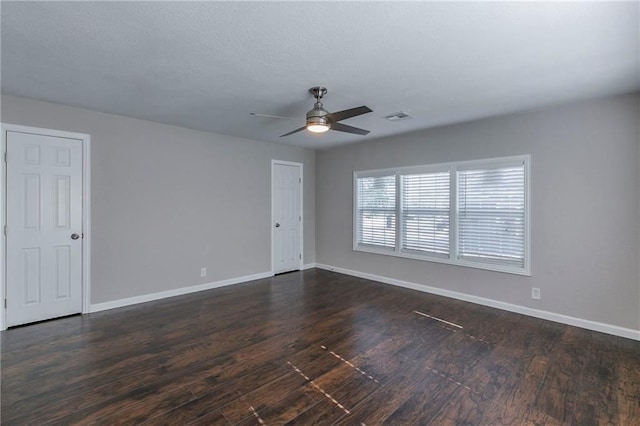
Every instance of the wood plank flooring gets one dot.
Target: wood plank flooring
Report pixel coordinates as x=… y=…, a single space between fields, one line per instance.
x=315 y=347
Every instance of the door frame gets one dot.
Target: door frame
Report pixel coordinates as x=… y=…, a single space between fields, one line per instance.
x=86 y=210
x=273 y=241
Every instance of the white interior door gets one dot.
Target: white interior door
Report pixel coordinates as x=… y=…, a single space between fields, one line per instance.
x=44 y=227
x=287 y=217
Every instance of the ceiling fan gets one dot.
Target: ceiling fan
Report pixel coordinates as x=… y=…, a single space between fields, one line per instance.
x=320 y=120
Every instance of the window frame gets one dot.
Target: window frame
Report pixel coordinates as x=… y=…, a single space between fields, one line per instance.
x=453 y=168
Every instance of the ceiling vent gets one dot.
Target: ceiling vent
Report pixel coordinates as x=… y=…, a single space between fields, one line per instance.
x=397 y=116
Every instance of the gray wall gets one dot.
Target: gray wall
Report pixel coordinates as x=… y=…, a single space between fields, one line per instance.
x=585 y=203
x=167 y=201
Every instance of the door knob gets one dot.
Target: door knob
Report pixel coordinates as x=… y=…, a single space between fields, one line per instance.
x=75 y=236
x=277 y=225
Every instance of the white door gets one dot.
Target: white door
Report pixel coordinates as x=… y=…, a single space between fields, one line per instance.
x=44 y=227
x=287 y=217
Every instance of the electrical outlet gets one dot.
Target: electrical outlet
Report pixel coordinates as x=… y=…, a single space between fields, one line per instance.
x=535 y=293
x=203 y=272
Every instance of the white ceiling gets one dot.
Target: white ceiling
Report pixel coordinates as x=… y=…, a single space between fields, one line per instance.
x=207 y=65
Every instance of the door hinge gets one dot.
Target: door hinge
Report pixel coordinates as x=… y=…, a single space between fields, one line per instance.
x=5 y=156
x=299 y=180
x=300 y=256
x=299 y=218
x=5 y=230
x=5 y=303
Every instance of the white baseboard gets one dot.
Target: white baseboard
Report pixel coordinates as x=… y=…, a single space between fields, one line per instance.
x=537 y=313
x=308 y=266
x=175 y=292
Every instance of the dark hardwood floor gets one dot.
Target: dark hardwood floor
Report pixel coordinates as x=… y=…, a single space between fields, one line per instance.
x=316 y=347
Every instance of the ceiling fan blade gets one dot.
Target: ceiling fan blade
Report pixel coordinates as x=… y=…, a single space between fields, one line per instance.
x=348 y=129
x=272 y=116
x=294 y=131
x=348 y=113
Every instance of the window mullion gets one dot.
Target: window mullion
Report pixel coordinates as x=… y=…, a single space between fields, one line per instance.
x=399 y=223
x=453 y=212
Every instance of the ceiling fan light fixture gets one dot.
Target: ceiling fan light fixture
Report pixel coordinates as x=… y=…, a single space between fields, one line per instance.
x=317 y=124
x=318 y=128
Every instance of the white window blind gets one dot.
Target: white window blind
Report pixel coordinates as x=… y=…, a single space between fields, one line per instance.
x=376 y=211
x=425 y=213
x=491 y=215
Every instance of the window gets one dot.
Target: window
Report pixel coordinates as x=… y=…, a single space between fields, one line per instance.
x=425 y=213
x=467 y=213
x=491 y=215
x=376 y=211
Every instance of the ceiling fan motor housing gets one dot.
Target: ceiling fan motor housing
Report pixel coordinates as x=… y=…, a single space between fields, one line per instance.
x=317 y=115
